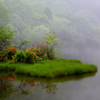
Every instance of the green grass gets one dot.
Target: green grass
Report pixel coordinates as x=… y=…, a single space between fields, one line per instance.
x=51 y=68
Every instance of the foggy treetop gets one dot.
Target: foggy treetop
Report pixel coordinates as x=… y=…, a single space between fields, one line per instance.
x=76 y=22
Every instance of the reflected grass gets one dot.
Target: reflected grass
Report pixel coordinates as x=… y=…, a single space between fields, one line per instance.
x=49 y=84
x=54 y=80
x=51 y=68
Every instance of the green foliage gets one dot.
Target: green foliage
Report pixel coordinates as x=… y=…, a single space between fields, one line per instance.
x=2 y=56
x=28 y=56
x=10 y=51
x=41 y=50
x=19 y=56
x=17 y=22
x=36 y=33
x=6 y=36
x=51 y=41
x=7 y=53
x=32 y=18
x=67 y=60
x=51 y=68
x=61 y=9
x=47 y=11
x=24 y=42
x=4 y=14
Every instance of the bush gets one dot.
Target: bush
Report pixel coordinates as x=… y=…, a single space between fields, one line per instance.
x=7 y=53
x=19 y=56
x=28 y=56
x=41 y=50
x=2 y=56
x=10 y=51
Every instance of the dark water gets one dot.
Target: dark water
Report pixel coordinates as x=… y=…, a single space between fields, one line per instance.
x=76 y=87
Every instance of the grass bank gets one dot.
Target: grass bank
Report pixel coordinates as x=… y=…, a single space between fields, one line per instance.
x=50 y=68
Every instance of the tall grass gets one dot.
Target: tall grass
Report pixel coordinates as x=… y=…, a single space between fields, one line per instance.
x=51 y=68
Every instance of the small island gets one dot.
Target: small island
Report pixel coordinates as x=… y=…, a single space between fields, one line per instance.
x=40 y=61
x=50 y=68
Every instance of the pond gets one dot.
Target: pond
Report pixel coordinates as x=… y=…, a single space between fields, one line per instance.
x=75 y=87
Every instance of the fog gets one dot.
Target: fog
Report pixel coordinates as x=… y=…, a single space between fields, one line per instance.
x=76 y=23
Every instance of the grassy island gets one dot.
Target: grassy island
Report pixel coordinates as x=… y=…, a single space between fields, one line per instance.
x=50 y=68
x=40 y=60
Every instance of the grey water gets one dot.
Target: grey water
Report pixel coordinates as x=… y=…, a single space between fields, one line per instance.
x=75 y=87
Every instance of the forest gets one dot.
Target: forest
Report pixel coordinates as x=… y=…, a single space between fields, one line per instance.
x=76 y=26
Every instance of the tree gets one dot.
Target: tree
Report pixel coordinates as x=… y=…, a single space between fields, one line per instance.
x=51 y=41
x=36 y=34
x=6 y=36
x=47 y=11
x=22 y=43
x=4 y=14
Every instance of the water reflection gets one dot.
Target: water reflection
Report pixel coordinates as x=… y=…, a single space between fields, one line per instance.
x=51 y=88
x=11 y=83
x=22 y=86
x=6 y=86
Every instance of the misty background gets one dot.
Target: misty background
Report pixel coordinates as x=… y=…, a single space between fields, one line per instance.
x=76 y=22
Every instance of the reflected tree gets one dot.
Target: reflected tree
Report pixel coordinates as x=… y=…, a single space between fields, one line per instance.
x=6 y=88
x=51 y=88
x=50 y=85
x=21 y=86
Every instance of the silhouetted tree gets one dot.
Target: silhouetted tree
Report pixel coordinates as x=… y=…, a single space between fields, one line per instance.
x=48 y=12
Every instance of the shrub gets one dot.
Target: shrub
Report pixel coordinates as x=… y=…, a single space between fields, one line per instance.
x=10 y=51
x=35 y=54
x=30 y=56
x=41 y=50
x=7 y=53
x=19 y=56
x=2 y=56
x=51 y=41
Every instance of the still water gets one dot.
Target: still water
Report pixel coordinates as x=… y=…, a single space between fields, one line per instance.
x=76 y=87
x=79 y=87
